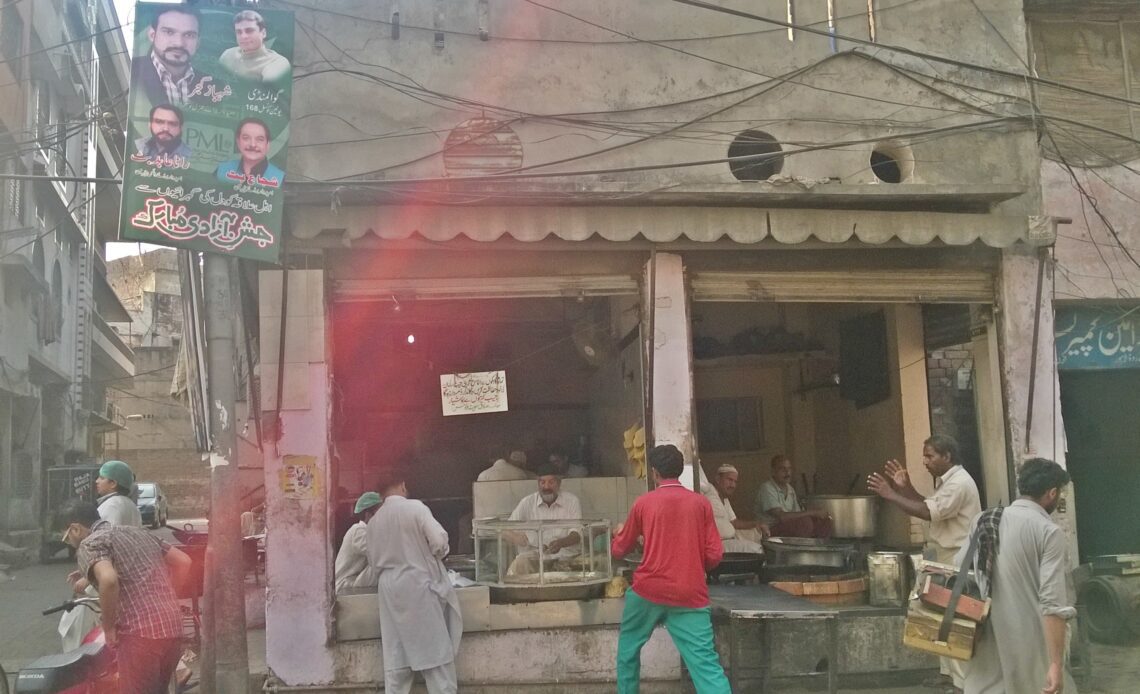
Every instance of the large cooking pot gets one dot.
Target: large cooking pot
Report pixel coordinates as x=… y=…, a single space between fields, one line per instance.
x=851 y=516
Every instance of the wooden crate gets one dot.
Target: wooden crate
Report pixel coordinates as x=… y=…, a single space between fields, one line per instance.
x=938 y=597
x=921 y=632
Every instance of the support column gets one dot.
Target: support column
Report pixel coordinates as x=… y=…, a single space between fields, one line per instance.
x=224 y=655
x=299 y=581
x=671 y=345
x=1030 y=386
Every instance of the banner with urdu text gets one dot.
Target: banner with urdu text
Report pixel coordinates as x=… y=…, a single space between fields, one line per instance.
x=208 y=129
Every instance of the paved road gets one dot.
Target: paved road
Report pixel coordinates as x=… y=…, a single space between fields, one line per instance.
x=25 y=634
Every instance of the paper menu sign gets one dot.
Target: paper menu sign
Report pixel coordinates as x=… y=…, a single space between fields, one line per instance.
x=473 y=393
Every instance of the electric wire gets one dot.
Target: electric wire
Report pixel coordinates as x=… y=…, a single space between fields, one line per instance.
x=908 y=51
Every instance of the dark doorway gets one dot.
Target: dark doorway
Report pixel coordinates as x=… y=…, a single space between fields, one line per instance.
x=1102 y=427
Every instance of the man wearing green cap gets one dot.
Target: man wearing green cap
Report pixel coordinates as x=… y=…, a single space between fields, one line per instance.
x=113 y=487
x=115 y=505
x=352 y=569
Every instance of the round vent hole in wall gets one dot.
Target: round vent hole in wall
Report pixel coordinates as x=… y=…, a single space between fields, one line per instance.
x=892 y=163
x=755 y=143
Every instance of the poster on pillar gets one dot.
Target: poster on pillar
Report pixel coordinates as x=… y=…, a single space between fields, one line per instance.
x=208 y=129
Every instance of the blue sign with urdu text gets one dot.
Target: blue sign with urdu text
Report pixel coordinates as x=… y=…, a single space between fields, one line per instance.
x=1097 y=338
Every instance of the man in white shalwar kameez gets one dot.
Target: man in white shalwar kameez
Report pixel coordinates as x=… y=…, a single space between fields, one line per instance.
x=420 y=622
x=1022 y=646
x=351 y=568
x=736 y=535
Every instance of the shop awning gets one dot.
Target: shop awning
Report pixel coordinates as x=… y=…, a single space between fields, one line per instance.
x=666 y=224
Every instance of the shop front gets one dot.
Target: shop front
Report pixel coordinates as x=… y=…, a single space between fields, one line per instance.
x=733 y=332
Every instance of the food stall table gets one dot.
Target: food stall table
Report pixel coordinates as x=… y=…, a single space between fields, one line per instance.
x=770 y=606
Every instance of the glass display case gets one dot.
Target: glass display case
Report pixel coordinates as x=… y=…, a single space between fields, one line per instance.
x=524 y=561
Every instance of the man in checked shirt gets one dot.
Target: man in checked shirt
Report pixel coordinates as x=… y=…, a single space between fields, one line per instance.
x=136 y=575
x=166 y=74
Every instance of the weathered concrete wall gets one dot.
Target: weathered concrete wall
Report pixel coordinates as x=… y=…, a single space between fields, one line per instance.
x=527 y=656
x=538 y=61
x=1091 y=264
x=1033 y=415
x=297 y=480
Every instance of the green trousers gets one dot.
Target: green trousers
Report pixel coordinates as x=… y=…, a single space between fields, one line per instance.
x=692 y=634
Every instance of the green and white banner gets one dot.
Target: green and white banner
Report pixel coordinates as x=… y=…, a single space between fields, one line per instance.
x=209 y=129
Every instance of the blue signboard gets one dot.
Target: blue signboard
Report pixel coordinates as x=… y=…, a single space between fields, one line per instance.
x=1097 y=338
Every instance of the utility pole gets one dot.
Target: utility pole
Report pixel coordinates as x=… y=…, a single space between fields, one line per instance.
x=225 y=661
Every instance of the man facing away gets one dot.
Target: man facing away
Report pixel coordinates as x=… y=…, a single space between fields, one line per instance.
x=420 y=622
x=351 y=568
x=513 y=467
x=1022 y=646
x=681 y=544
x=136 y=575
x=777 y=503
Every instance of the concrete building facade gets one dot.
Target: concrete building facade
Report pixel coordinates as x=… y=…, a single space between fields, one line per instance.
x=158 y=441
x=644 y=214
x=1088 y=176
x=62 y=79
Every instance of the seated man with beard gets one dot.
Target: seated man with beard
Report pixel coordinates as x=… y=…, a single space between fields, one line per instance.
x=548 y=503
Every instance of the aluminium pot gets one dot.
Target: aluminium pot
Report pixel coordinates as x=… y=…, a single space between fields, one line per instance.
x=851 y=516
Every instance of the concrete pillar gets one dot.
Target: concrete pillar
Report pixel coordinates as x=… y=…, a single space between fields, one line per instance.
x=299 y=582
x=1034 y=426
x=991 y=417
x=1018 y=301
x=672 y=359
x=908 y=359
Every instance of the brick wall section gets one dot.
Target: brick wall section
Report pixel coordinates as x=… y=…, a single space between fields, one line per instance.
x=182 y=474
x=952 y=409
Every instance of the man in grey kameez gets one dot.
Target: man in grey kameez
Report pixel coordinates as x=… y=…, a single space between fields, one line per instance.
x=420 y=623
x=1022 y=646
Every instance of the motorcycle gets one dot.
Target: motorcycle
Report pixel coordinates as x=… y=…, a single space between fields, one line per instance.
x=88 y=669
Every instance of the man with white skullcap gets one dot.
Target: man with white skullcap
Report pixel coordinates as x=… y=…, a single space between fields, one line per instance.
x=736 y=534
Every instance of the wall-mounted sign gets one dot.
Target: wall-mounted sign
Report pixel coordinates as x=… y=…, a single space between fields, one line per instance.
x=1097 y=339
x=208 y=128
x=473 y=393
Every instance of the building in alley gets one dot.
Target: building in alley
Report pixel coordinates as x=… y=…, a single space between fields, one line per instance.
x=63 y=78
x=747 y=238
x=159 y=441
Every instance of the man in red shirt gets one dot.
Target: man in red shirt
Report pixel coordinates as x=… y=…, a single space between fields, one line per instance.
x=681 y=543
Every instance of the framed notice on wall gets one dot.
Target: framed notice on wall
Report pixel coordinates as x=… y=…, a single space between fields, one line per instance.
x=208 y=129
x=473 y=393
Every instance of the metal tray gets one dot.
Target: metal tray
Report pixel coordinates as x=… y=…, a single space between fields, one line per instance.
x=589 y=590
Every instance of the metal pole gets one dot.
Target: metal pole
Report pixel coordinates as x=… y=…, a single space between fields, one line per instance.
x=225 y=565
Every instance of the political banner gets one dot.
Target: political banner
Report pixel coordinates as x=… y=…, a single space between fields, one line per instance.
x=208 y=129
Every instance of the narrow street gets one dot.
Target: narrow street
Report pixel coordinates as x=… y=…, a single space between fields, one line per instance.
x=25 y=634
